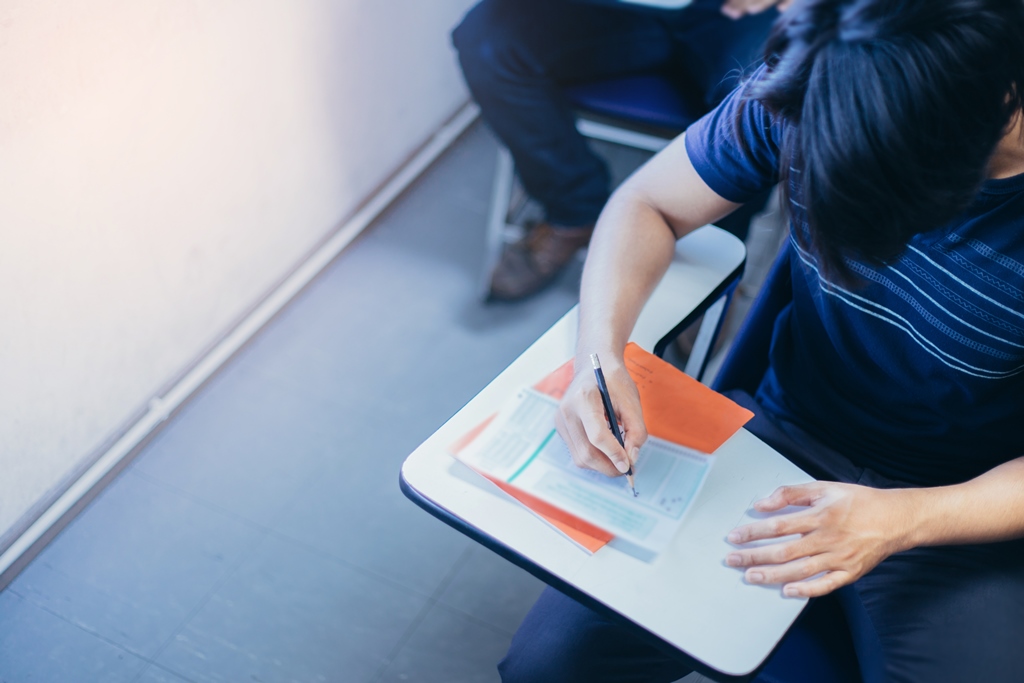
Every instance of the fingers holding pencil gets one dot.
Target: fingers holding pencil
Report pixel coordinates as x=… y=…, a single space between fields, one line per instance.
x=590 y=442
x=585 y=428
x=613 y=421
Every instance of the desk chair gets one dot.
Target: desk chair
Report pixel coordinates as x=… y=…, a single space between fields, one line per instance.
x=708 y=262
x=643 y=112
x=818 y=649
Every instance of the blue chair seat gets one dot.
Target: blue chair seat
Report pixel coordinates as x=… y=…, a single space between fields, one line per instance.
x=648 y=100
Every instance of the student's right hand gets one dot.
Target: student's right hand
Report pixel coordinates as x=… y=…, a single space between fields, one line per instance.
x=582 y=424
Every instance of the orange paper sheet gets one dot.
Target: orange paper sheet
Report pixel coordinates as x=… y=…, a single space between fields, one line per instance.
x=676 y=408
x=586 y=534
x=680 y=409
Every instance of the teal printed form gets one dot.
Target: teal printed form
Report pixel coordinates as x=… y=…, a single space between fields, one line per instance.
x=522 y=448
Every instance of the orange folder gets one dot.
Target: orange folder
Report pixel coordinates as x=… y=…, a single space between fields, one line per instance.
x=676 y=407
x=680 y=409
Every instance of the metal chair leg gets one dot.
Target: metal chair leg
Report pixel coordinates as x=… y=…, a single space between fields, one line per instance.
x=620 y=136
x=507 y=198
x=704 y=344
x=501 y=196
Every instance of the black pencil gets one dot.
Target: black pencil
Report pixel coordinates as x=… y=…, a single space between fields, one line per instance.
x=609 y=412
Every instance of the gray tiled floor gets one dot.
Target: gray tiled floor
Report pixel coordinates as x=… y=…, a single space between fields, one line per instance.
x=261 y=536
x=36 y=645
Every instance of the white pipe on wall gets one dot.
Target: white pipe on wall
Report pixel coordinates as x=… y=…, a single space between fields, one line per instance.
x=162 y=165
x=161 y=407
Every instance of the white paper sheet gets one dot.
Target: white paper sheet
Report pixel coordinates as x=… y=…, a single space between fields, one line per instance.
x=522 y=448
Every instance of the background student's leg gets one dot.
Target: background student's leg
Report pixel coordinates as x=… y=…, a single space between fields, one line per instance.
x=561 y=640
x=517 y=54
x=716 y=52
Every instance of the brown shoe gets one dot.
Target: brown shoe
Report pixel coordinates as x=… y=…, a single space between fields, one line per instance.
x=532 y=263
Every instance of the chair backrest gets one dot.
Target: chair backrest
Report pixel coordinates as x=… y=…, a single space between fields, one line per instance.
x=646 y=100
x=747 y=360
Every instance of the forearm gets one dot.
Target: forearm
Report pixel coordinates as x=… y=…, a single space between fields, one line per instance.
x=633 y=245
x=629 y=253
x=985 y=509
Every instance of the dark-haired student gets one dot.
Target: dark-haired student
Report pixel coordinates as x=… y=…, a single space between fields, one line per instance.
x=897 y=372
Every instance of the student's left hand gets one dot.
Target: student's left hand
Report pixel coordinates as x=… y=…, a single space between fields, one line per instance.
x=845 y=532
x=736 y=9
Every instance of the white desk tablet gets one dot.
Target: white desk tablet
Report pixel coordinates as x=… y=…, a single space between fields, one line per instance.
x=659 y=4
x=655 y=4
x=687 y=596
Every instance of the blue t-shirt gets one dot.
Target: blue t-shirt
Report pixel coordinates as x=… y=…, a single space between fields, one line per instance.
x=918 y=373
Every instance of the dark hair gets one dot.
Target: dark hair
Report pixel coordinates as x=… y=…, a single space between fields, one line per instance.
x=893 y=110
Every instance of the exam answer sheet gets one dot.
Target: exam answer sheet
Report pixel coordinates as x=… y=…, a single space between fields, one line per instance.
x=686 y=422
x=522 y=449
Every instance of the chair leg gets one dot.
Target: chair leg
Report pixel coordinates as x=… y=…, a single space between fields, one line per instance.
x=507 y=197
x=620 y=136
x=704 y=344
x=501 y=197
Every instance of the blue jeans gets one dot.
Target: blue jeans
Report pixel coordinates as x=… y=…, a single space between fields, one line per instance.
x=517 y=55
x=928 y=614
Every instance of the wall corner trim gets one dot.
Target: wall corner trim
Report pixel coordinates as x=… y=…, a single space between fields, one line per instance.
x=25 y=546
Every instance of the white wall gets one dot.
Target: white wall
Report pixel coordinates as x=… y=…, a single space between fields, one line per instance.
x=162 y=164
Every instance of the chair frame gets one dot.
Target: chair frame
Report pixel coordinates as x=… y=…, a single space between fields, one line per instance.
x=823 y=625
x=500 y=225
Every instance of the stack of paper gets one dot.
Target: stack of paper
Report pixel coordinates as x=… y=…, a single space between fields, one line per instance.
x=521 y=452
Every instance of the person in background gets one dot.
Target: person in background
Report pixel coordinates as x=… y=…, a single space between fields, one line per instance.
x=896 y=373
x=517 y=55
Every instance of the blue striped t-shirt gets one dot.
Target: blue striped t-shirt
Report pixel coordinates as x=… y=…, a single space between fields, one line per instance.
x=918 y=373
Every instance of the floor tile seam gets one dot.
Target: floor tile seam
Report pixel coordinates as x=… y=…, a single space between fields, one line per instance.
x=85 y=629
x=166 y=668
x=253 y=371
x=399 y=384
x=431 y=602
x=296 y=388
x=348 y=564
x=199 y=500
x=389 y=659
x=445 y=194
x=475 y=619
x=276 y=377
x=447 y=579
x=280 y=381
x=292 y=500
x=470 y=204
x=103 y=592
x=217 y=585
x=269 y=530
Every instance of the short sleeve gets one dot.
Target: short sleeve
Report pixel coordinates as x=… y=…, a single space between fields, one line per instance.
x=735 y=148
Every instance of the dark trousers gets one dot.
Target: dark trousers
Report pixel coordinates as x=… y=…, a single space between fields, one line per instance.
x=926 y=615
x=517 y=55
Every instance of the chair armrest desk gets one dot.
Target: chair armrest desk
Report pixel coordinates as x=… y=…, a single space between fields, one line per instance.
x=687 y=597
